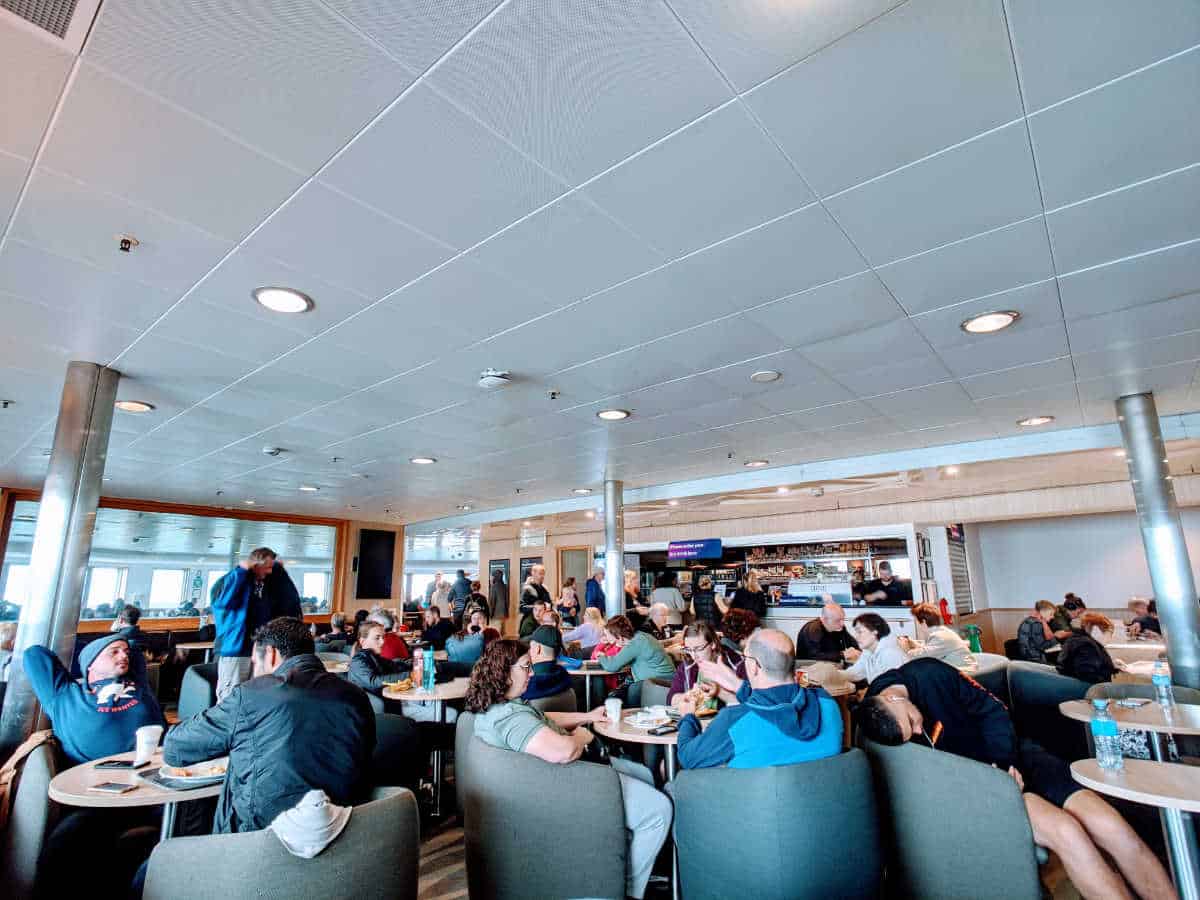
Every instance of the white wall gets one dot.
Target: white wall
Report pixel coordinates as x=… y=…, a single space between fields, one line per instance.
x=1099 y=557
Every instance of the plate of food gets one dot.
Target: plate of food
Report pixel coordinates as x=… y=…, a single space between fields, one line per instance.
x=651 y=717
x=398 y=687
x=197 y=774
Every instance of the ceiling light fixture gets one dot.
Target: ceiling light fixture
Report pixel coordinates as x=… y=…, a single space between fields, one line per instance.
x=766 y=376
x=591 y=514
x=134 y=406
x=1034 y=421
x=465 y=507
x=990 y=322
x=613 y=415
x=582 y=492
x=422 y=460
x=782 y=490
x=526 y=524
x=250 y=502
x=282 y=299
x=309 y=488
x=950 y=470
x=1119 y=453
x=755 y=463
x=672 y=503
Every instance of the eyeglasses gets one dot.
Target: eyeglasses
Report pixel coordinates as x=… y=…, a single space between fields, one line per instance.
x=527 y=666
x=746 y=657
x=692 y=651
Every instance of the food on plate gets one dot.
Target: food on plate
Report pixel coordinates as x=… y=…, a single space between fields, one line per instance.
x=204 y=770
x=398 y=687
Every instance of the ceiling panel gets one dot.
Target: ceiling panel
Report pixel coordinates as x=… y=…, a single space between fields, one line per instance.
x=310 y=83
x=719 y=176
x=325 y=360
x=1157 y=380
x=1136 y=219
x=1144 y=355
x=1140 y=323
x=1038 y=305
x=32 y=72
x=984 y=184
x=417 y=32
x=1019 y=378
x=1135 y=128
x=829 y=111
x=884 y=374
x=225 y=330
x=893 y=340
x=926 y=405
x=750 y=40
x=830 y=310
x=973 y=267
x=136 y=146
x=548 y=76
x=12 y=175
x=802 y=382
x=74 y=336
x=1013 y=347
x=1068 y=46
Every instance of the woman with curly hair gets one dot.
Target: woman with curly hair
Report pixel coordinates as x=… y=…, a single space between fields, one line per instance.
x=736 y=626
x=505 y=721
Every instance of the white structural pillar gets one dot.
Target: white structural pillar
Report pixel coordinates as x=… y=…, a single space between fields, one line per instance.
x=1162 y=535
x=62 y=541
x=614 y=548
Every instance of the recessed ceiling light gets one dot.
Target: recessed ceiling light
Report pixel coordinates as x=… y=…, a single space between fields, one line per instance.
x=990 y=322
x=950 y=470
x=591 y=514
x=465 y=507
x=755 y=463
x=422 y=460
x=1034 y=421
x=782 y=490
x=672 y=503
x=766 y=376
x=582 y=491
x=250 y=502
x=134 y=406
x=613 y=415
x=526 y=523
x=283 y=300
x=309 y=488
x=1120 y=453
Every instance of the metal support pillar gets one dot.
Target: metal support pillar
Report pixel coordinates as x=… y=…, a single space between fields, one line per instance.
x=614 y=548
x=1162 y=535
x=62 y=541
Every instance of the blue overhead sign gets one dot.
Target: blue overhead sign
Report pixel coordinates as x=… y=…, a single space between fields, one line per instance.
x=706 y=549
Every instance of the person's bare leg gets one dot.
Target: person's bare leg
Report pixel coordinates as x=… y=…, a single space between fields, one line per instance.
x=1113 y=834
x=1086 y=867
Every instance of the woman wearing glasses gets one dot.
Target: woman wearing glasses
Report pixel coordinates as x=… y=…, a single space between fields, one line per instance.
x=702 y=644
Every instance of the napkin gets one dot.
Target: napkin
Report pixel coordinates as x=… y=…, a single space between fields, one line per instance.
x=311 y=825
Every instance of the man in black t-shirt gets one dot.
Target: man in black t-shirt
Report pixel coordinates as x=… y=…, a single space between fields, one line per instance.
x=825 y=638
x=887 y=590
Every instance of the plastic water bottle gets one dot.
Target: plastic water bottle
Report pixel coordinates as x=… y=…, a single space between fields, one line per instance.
x=1164 y=692
x=1106 y=736
x=427 y=668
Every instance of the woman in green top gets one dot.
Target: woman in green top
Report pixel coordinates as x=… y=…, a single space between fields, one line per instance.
x=642 y=653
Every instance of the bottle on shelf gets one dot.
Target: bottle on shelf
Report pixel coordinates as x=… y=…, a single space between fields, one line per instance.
x=1106 y=736
x=1164 y=692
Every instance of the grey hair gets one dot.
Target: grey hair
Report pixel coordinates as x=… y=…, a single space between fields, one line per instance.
x=775 y=662
x=337 y=620
x=382 y=617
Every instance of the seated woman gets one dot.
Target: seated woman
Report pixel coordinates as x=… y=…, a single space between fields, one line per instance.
x=589 y=632
x=466 y=646
x=505 y=721
x=736 y=626
x=1083 y=655
x=568 y=603
x=607 y=646
x=370 y=671
x=1147 y=624
x=701 y=644
x=642 y=653
x=878 y=652
x=1035 y=636
x=938 y=641
x=658 y=624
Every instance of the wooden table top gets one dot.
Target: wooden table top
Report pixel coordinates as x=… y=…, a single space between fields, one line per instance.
x=594 y=671
x=450 y=690
x=71 y=787
x=195 y=645
x=629 y=734
x=1169 y=785
x=1185 y=718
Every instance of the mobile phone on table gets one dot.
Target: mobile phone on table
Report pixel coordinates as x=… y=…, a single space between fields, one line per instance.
x=663 y=729
x=112 y=787
x=119 y=764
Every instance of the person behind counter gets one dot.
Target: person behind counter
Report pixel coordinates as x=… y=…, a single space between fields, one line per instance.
x=750 y=596
x=939 y=641
x=825 y=638
x=888 y=590
x=879 y=650
x=667 y=593
x=704 y=602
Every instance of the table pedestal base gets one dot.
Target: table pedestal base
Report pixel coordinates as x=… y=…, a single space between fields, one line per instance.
x=1179 y=829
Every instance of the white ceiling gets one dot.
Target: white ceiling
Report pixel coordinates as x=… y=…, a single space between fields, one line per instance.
x=635 y=204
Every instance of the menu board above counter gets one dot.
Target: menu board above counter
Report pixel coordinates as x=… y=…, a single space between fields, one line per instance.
x=790 y=553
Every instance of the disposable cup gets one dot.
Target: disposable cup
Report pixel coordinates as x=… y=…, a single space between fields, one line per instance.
x=612 y=708
x=147 y=742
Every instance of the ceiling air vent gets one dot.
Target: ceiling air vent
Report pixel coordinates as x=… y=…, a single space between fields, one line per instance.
x=53 y=16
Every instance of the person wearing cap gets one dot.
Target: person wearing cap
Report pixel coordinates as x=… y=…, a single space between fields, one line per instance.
x=548 y=678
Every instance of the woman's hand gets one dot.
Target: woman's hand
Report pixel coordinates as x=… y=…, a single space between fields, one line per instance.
x=721 y=674
x=685 y=704
x=597 y=715
x=852 y=654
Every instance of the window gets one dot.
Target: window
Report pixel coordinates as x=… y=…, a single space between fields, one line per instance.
x=106 y=585
x=16 y=585
x=166 y=588
x=315 y=587
x=214 y=575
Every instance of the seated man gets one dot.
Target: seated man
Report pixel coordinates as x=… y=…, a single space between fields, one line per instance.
x=126 y=625
x=825 y=638
x=337 y=632
x=775 y=722
x=548 y=678
x=290 y=729
x=532 y=618
x=933 y=701
x=436 y=629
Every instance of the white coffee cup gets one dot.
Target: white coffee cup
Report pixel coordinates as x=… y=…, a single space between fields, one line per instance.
x=612 y=708
x=147 y=742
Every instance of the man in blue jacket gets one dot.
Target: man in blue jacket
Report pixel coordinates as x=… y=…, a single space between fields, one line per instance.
x=775 y=722
x=548 y=678
x=595 y=591
x=240 y=604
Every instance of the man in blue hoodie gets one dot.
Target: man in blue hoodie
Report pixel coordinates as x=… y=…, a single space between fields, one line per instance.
x=240 y=604
x=775 y=722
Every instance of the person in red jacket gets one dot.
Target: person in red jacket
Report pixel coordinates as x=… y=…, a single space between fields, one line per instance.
x=394 y=646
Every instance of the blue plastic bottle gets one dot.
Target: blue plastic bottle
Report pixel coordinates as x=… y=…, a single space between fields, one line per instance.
x=1164 y=691
x=427 y=668
x=1106 y=736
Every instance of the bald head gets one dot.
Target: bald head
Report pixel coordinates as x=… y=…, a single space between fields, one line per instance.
x=776 y=657
x=832 y=617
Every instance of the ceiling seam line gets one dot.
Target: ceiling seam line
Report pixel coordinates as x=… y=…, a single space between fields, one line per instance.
x=1124 y=187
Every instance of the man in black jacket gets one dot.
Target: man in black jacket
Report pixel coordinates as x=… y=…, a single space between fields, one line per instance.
x=291 y=729
x=825 y=638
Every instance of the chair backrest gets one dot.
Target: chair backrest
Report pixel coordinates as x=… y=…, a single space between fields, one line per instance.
x=563 y=701
x=993 y=674
x=1012 y=648
x=1036 y=690
x=332 y=657
x=464 y=730
x=198 y=691
x=505 y=801
x=776 y=810
x=31 y=816
x=947 y=822
x=376 y=856
x=397 y=759
x=654 y=692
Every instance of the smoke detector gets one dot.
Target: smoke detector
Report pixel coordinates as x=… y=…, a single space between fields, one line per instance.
x=490 y=379
x=272 y=451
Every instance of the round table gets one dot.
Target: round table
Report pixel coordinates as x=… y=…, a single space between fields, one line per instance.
x=1183 y=719
x=1174 y=789
x=588 y=673
x=449 y=690
x=1135 y=651
x=70 y=788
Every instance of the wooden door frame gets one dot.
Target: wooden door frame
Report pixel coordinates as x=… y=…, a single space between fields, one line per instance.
x=558 y=559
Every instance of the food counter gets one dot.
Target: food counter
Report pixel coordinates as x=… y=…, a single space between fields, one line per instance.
x=790 y=619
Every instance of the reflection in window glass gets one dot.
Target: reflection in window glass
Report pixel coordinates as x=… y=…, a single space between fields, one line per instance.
x=195 y=550
x=106 y=588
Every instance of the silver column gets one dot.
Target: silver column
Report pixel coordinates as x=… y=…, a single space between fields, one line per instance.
x=1162 y=535
x=62 y=540
x=614 y=548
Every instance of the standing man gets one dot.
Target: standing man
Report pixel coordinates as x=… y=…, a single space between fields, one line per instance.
x=242 y=605
x=825 y=638
x=594 y=597
x=460 y=592
x=432 y=586
x=285 y=599
x=887 y=590
x=535 y=591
